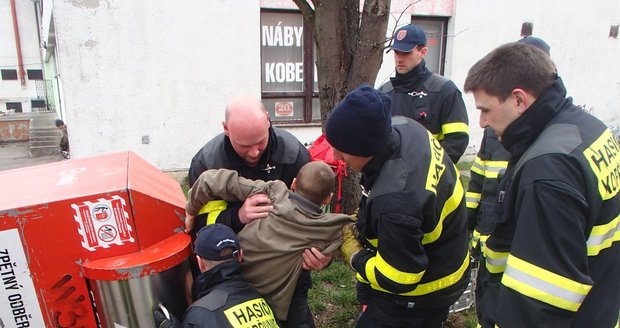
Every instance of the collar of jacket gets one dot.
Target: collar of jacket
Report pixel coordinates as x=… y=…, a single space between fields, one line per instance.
x=305 y=204
x=209 y=280
x=521 y=133
x=411 y=79
x=237 y=162
x=371 y=171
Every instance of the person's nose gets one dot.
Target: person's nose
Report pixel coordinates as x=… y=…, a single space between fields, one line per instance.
x=253 y=152
x=483 y=120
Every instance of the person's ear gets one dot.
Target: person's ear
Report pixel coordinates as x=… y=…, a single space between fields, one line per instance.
x=240 y=257
x=328 y=199
x=225 y=126
x=201 y=264
x=294 y=184
x=522 y=100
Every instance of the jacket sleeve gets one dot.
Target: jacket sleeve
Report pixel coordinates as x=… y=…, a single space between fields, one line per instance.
x=400 y=260
x=196 y=168
x=221 y=184
x=474 y=189
x=546 y=277
x=454 y=136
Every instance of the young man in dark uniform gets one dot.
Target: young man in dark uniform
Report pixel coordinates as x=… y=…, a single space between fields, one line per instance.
x=552 y=257
x=431 y=99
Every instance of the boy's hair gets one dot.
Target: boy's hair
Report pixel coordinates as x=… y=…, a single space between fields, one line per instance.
x=315 y=181
x=59 y=122
x=511 y=66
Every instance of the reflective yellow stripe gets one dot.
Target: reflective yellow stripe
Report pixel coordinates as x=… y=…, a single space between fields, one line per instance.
x=253 y=313
x=543 y=285
x=495 y=262
x=472 y=199
x=441 y=283
x=214 y=208
x=454 y=128
x=488 y=169
x=395 y=275
x=478 y=166
x=448 y=207
x=373 y=242
x=436 y=167
x=483 y=242
x=493 y=167
x=604 y=158
x=451 y=128
x=474 y=239
x=421 y=289
x=602 y=236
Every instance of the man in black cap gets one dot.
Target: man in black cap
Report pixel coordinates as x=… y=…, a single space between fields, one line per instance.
x=431 y=99
x=224 y=299
x=409 y=245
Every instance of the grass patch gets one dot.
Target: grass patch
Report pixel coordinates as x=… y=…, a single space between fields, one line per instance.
x=332 y=297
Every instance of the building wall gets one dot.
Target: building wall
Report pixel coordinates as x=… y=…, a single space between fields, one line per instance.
x=577 y=31
x=154 y=77
x=12 y=90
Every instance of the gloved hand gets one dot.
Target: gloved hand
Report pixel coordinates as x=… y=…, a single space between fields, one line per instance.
x=350 y=245
x=164 y=319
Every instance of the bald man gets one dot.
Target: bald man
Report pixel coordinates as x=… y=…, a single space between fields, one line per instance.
x=273 y=247
x=257 y=151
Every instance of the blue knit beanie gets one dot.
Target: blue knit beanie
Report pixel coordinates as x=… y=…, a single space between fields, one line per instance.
x=361 y=123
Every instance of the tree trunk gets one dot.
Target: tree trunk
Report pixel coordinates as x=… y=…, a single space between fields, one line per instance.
x=349 y=48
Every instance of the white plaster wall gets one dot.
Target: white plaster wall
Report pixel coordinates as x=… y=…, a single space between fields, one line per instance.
x=162 y=69
x=12 y=90
x=577 y=31
x=167 y=68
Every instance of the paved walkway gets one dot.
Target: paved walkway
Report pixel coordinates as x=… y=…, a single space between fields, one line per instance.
x=17 y=154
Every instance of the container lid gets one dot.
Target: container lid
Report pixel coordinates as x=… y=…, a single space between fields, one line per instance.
x=154 y=259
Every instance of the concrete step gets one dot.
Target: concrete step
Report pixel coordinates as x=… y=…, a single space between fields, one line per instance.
x=44 y=133
x=51 y=142
x=36 y=151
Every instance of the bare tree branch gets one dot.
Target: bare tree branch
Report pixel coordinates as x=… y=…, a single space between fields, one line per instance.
x=306 y=10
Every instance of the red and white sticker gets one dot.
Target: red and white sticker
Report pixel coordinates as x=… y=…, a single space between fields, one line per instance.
x=103 y=223
x=284 y=108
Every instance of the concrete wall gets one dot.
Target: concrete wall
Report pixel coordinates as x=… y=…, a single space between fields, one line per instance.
x=12 y=90
x=159 y=72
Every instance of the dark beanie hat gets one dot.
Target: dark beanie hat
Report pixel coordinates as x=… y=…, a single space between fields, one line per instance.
x=361 y=123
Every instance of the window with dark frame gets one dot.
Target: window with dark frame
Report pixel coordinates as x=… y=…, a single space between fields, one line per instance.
x=35 y=74
x=289 y=85
x=436 y=38
x=16 y=106
x=9 y=74
x=37 y=103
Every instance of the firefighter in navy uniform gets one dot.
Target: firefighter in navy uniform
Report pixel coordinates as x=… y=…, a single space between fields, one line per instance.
x=553 y=257
x=487 y=171
x=414 y=262
x=223 y=298
x=431 y=99
x=257 y=151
